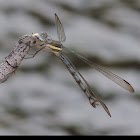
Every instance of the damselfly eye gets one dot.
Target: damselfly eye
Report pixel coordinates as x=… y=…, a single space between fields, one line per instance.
x=49 y=39
x=43 y=36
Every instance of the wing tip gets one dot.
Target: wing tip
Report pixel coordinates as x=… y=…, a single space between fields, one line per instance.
x=107 y=110
x=129 y=88
x=132 y=90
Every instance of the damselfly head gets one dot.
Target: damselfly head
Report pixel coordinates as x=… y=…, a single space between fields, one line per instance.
x=44 y=37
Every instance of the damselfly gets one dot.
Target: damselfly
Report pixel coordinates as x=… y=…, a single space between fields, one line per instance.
x=57 y=48
x=44 y=42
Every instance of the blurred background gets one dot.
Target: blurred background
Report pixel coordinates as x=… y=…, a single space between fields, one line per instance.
x=42 y=97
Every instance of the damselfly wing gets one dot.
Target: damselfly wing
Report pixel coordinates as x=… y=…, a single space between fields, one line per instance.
x=57 y=48
x=121 y=82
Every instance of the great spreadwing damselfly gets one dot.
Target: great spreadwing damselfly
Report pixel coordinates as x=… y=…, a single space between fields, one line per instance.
x=42 y=41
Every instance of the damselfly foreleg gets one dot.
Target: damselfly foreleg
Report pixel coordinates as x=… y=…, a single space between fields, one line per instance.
x=36 y=52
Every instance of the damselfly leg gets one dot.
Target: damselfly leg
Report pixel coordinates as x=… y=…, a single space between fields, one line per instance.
x=36 y=52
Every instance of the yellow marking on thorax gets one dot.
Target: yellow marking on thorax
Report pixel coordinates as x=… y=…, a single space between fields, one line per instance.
x=55 y=48
x=55 y=52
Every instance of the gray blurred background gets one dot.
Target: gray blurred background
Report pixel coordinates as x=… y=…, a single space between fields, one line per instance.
x=42 y=98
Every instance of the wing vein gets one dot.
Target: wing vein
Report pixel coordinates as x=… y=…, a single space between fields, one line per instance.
x=118 y=80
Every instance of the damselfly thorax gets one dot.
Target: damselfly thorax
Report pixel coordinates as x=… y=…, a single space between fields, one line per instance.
x=55 y=47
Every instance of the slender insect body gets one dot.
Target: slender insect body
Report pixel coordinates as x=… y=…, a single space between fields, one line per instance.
x=76 y=75
x=57 y=48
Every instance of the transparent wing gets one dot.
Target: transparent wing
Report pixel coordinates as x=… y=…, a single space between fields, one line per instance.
x=60 y=29
x=121 y=82
x=93 y=98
